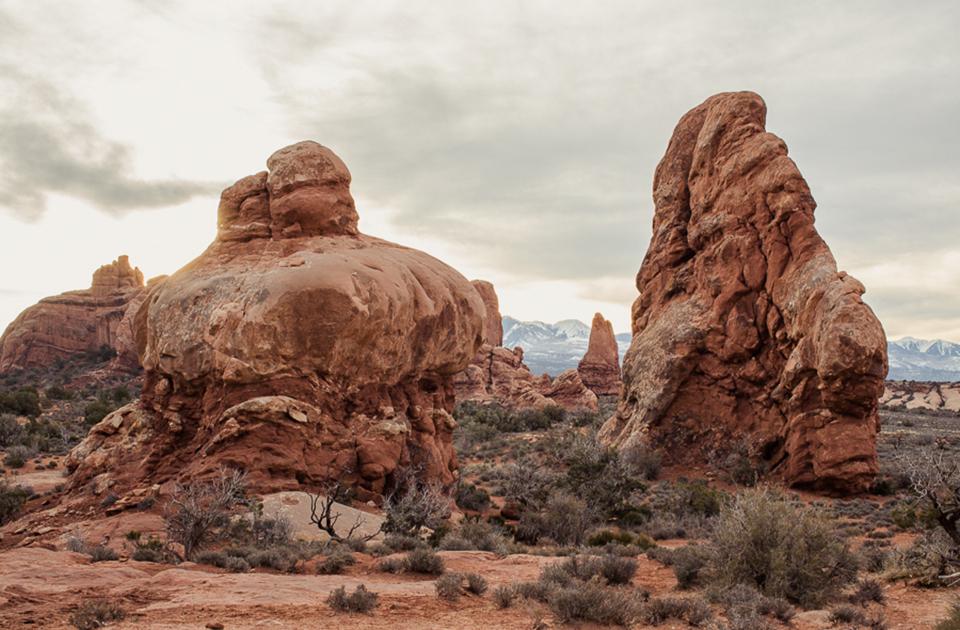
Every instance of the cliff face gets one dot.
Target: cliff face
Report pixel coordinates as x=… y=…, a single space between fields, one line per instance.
x=744 y=326
x=78 y=321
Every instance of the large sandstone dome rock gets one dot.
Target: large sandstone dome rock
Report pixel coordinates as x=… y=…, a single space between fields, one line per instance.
x=295 y=346
x=743 y=326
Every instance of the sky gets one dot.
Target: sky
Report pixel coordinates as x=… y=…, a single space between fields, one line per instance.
x=514 y=140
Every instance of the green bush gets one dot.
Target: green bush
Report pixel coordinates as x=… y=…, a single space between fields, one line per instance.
x=22 y=402
x=102 y=554
x=17 y=456
x=59 y=392
x=12 y=500
x=95 y=412
x=592 y=601
x=476 y=583
x=471 y=497
x=360 y=601
x=762 y=539
x=10 y=430
x=96 y=614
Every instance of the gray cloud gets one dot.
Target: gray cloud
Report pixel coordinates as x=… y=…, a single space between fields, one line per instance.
x=49 y=145
x=531 y=139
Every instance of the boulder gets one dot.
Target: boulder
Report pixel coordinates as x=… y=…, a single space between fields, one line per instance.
x=296 y=347
x=744 y=326
x=498 y=375
x=78 y=321
x=600 y=367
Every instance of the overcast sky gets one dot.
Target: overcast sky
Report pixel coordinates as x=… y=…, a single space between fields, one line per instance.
x=514 y=140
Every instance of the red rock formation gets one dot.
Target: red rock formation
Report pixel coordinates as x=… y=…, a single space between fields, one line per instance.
x=494 y=319
x=743 y=324
x=600 y=367
x=295 y=346
x=77 y=321
x=499 y=375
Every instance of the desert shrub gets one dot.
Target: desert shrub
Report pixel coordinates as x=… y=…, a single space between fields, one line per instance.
x=109 y=499
x=697 y=498
x=358 y=545
x=935 y=477
x=264 y=531
x=279 y=558
x=643 y=460
x=12 y=500
x=360 y=601
x=503 y=596
x=929 y=556
x=566 y=519
x=10 y=430
x=592 y=601
x=96 y=614
x=199 y=512
x=764 y=540
x=397 y=543
x=213 y=558
x=18 y=456
x=392 y=564
x=952 y=621
x=601 y=475
x=146 y=503
x=425 y=561
x=414 y=507
x=868 y=590
x=695 y=611
x=613 y=569
x=336 y=563
x=470 y=497
x=95 y=412
x=22 y=402
x=102 y=554
x=476 y=535
x=688 y=562
x=750 y=620
x=450 y=585
x=146 y=555
x=59 y=392
x=607 y=536
x=845 y=613
x=476 y=583
x=526 y=482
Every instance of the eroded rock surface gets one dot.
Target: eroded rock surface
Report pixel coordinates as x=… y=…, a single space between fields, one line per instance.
x=499 y=375
x=295 y=346
x=78 y=321
x=743 y=325
x=600 y=367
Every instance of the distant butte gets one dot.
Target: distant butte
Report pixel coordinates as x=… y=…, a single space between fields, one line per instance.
x=78 y=321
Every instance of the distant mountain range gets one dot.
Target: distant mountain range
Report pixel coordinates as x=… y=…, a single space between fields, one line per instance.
x=921 y=360
x=553 y=348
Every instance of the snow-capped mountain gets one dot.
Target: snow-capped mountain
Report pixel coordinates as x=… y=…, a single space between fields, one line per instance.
x=552 y=348
x=921 y=360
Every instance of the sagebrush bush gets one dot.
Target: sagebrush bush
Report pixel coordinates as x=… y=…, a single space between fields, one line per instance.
x=476 y=583
x=425 y=561
x=868 y=590
x=471 y=497
x=476 y=535
x=336 y=563
x=783 y=549
x=102 y=554
x=12 y=500
x=96 y=614
x=392 y=564
x=10 y=430
x=449 y=585
x=592 y=601
x=360 y=601
x=503 y=596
